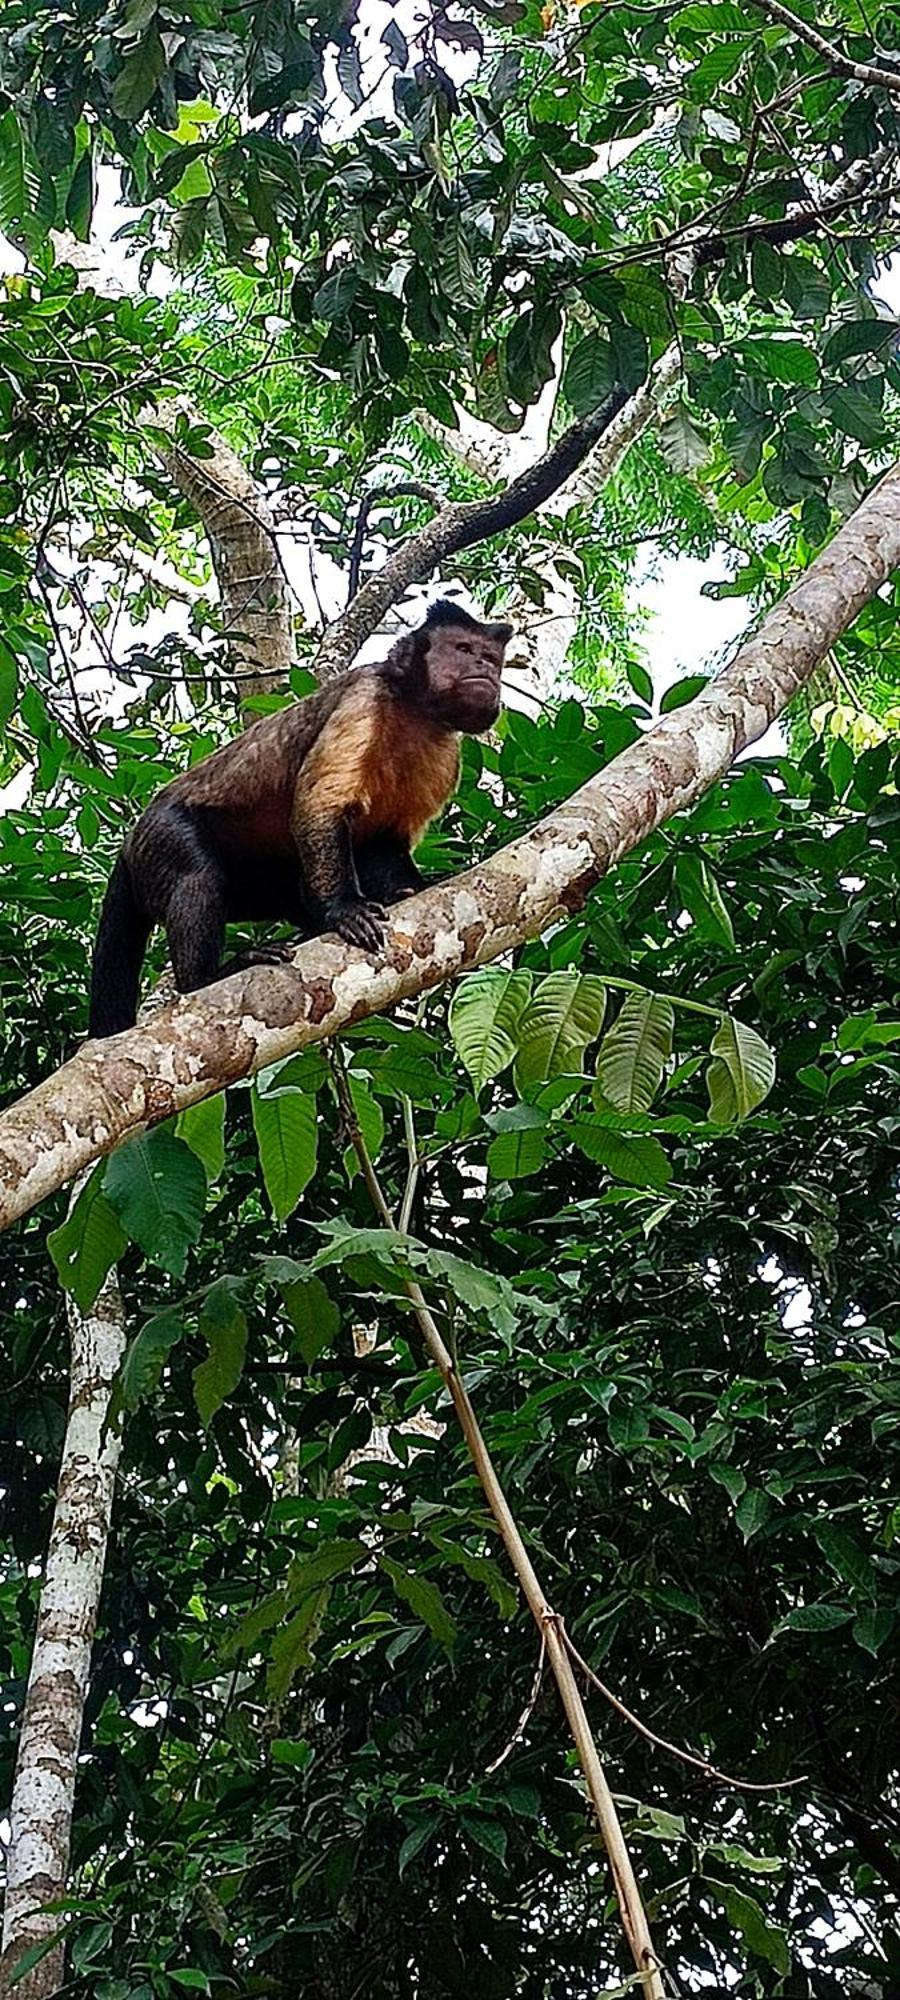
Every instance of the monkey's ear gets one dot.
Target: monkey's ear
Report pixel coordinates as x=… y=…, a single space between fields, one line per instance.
x=502 y=633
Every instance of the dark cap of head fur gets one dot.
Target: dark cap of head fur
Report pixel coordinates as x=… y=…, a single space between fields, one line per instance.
x=445 y=611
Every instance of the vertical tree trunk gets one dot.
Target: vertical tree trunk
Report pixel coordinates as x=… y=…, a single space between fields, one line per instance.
x=256 y=612
x=46 y=1764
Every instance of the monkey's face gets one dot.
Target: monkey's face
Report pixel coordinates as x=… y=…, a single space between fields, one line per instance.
x=463 y=666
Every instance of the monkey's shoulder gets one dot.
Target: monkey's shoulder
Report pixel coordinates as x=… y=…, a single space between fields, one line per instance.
x=262 y=762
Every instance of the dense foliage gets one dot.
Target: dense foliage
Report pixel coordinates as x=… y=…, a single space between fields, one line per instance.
x=668 y=1265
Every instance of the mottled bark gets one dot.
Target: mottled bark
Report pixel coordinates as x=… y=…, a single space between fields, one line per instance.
x=228 y=1031
x=46 y=1764
x=256 y=610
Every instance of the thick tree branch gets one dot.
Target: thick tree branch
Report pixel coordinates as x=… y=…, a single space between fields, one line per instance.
x=210 y=1039
x=236 y=519
x=458 y=526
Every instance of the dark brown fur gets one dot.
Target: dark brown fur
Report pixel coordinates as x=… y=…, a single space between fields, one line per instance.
x=309 y=817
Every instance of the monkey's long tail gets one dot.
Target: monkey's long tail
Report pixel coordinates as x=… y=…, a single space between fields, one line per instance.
x=118 y=956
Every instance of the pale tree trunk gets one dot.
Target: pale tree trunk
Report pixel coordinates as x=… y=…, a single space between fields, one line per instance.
x=212 y=1038
x=46 y=1764
x=256 y=608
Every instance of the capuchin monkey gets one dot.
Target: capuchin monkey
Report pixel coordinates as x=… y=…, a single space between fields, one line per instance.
x=308 y=817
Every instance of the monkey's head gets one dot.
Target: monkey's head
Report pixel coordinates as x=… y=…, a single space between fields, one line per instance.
x=451 y=667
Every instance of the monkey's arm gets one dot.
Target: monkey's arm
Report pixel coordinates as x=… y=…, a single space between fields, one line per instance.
x=330 y=793
x=386 y=868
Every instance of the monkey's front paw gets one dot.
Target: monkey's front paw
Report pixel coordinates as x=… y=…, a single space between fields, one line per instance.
x=359 y=923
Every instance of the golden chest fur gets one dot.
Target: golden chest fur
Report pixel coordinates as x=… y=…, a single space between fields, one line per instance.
x=382 y=764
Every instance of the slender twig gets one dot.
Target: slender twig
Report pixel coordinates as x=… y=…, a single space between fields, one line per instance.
x=525 y=1716
x=381 y=496
x=412 y=1176
x=548 y=1621
x=661 y=1743
x=841 y=65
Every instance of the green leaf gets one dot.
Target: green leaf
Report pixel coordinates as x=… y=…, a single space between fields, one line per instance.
x=564 y=1013
x=414 y=1843
x=860 y=336
x=223 y=1325
x=86 y=1246
x=684 y=445
x=292 y=1646
x=424 y=1600
x=515 y=1154
x=326 y=1562
x=741 y=1073
x=286 y=1127
x=259 y=1620
x=480 y=1569
x=158 y=1189
x=295 y=1753
x=145 y=1359
x=370 y=1116
x=138 y=77
x=202 y=1127
x=814 y=1618
x=590 y=373
x=845 y=1556
x=702 y=899
x=33 y=1954
x=873 y=1626
x=639 y=679
x=13 y=193
x=80 y=198
x=9 y=672
x=752 y=1511
x=855 y=414
x=190 y=1977
x=487 y=1833
x=336 y=295
x=482 y=1291
x=634 y=1052
x=768 y=1940
x=313 y=1314
x=638 y=1162
x=781 y=359
x=484 y=1021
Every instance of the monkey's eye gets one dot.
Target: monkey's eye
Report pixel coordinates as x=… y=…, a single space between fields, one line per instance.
x=463 y=646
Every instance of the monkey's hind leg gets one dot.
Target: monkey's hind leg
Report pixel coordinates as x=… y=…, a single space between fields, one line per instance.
x=195 y=926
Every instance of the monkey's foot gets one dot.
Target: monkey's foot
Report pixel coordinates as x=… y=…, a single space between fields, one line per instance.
x=265 y=954
x=358 y=922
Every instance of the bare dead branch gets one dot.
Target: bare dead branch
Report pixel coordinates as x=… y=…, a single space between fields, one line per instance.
x=381 y=496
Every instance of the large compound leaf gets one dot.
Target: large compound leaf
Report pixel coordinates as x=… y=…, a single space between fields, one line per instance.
x=563 y=1015
x=158 y=1189
x=741 y=1073
x=634 y=1053
x=484 y=1021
